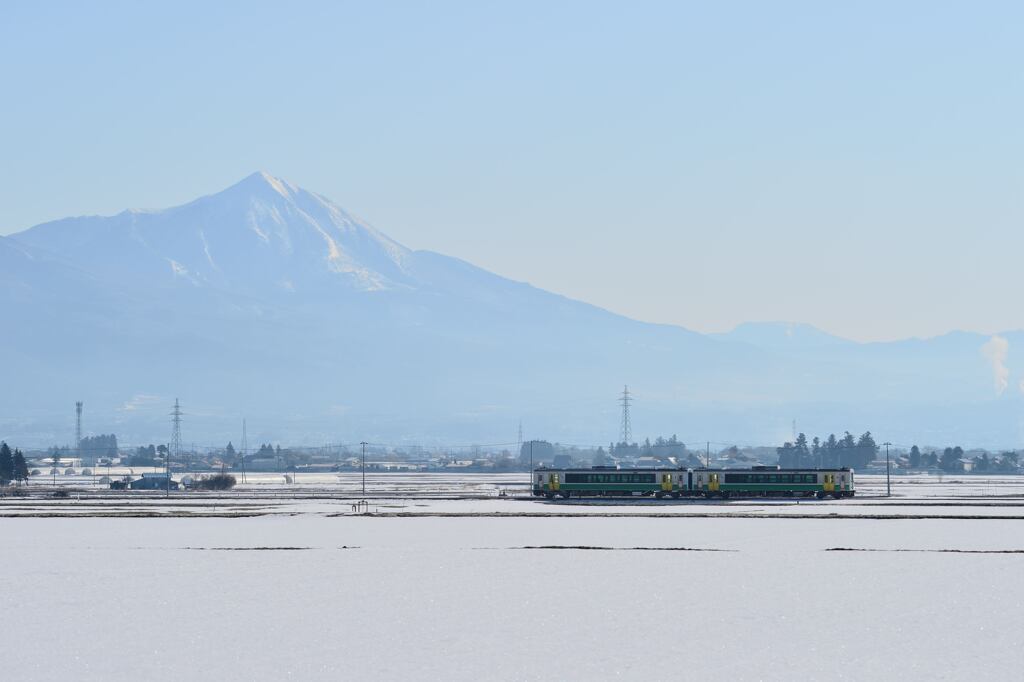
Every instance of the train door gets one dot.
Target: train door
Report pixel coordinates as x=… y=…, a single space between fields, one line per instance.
x=666 y=483
x=555 y=484
x=830 y=483
x=842 y=483
x=713 y=482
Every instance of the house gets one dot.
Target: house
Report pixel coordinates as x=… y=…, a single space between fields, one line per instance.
x=153 y=482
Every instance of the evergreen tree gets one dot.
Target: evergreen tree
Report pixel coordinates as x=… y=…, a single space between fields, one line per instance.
x=866 y=450
x=20 y=467
x=6 y=465
x=803 y=454
x=950 y=460
x=915 y=457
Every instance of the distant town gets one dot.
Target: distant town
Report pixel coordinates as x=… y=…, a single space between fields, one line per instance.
x=102 y=454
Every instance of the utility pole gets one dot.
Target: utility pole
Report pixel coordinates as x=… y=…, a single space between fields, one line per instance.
x=245 y=446
x=78 y=429
x=888 y=482
x=531 y=469
x=363 y=443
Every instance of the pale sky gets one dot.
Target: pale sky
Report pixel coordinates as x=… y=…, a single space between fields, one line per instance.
x=856 y=166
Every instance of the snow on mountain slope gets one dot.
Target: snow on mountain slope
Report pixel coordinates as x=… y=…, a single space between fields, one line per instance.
x=268 y=300
x=262 y=234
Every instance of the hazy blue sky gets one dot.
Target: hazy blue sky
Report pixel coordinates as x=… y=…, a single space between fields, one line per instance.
x=858 y=166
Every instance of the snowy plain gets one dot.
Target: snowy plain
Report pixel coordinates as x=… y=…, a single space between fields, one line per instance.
x=285 y=582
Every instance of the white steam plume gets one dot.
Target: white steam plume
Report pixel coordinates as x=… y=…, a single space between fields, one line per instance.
x=995 y=351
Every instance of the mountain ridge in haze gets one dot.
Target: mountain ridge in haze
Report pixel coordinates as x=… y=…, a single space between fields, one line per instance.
x=270 y=301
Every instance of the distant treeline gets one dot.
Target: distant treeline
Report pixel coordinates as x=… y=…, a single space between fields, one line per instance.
x=847 y=451
x=662 y=449
x=954 y=461
x=103 y=445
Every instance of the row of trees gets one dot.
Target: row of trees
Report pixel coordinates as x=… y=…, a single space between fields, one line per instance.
x=148 y=456
x=103 y=445
x=847 y=451
x=661 y=448
x=953 y=460
x=13 y=466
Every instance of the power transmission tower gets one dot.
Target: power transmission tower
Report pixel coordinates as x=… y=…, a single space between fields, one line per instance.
x=78 y=429
x=627 y=427
x=175 y=449
x=245 y=448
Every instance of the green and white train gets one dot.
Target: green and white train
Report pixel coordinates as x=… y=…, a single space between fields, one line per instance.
x=759 y=481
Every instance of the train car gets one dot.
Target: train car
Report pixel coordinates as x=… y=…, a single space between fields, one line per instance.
x=609 y=482
x=721 y=483
x=774 y=482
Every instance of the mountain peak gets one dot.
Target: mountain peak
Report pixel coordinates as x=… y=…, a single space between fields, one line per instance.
x=260 y=234
x=262 y=183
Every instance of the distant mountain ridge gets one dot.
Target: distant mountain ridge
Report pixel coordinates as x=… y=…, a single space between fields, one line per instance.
x=270 y=301
x=788 y=335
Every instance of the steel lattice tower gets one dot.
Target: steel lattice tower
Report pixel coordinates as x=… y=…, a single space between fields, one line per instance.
x=627 y=427
x=175 y=449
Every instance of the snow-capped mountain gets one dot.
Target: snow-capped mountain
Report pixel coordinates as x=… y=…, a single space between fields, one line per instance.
x=262 y=234
x=269 y=301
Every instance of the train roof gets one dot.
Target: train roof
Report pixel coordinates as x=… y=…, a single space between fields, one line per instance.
x=756 y=469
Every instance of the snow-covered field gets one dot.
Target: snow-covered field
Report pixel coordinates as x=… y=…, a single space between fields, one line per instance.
x=283 y=581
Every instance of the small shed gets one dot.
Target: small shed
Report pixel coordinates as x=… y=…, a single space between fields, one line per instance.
x=154 y=482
